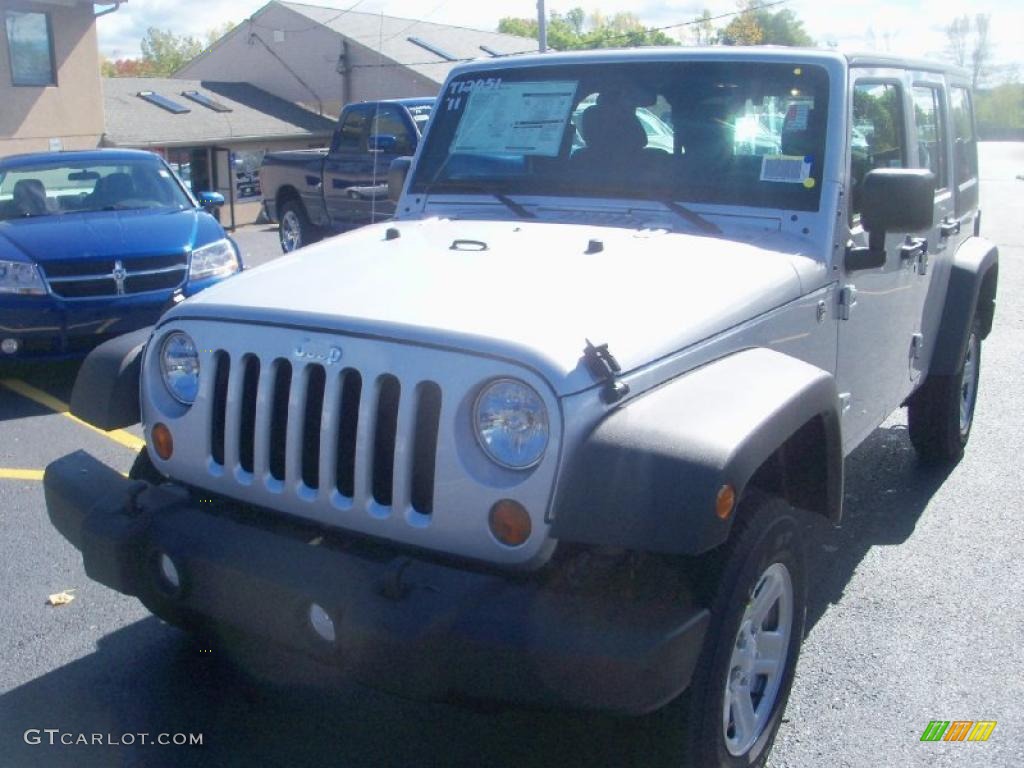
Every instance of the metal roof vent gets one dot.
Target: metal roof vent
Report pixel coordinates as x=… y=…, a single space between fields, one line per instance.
x=432 y=48
x=163 y=102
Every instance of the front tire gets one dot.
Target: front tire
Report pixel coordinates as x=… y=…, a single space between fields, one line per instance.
x=755 y=587
x=940 y=414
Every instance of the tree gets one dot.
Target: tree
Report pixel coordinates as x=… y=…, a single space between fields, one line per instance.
x=968 y=46
x=166 y=52
x=744 y=29
x=702 y=30
x=757 y=26
x=573 y=31
x=125 y=68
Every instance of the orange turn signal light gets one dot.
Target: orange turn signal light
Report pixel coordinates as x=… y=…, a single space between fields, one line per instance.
x=725 y=501
x=510 y=522
x=163 y=443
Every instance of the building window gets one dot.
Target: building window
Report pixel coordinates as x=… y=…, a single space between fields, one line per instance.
x=30 y=42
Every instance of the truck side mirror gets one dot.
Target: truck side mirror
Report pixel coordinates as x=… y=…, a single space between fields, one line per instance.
x=397 y=172
x=383 y=142
x=893 y=199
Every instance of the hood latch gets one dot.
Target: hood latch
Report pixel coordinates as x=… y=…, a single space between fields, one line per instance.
x=604 y=367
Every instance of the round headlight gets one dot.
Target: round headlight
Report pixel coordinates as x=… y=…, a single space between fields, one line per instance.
x=511 y=423
x=179 y=363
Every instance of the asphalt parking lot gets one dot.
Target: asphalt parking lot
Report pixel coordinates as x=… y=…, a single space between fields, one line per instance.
x=914 y=611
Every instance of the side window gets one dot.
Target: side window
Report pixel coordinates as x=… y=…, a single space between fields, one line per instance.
x=388 y=122
x=965 y=155
x=352 y=134
x=30 y=46
x=931 y=139
x=876 y=134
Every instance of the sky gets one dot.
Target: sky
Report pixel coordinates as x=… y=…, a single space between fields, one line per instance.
x=906 y=27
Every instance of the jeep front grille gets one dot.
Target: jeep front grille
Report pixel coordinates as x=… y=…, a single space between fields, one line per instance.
x=325 y=430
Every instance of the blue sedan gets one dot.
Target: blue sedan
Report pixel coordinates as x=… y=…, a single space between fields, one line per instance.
x=98 y=243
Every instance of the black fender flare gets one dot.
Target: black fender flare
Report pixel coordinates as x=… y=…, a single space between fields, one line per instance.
x=648 y=475
x=106 y=391
x=971 y=292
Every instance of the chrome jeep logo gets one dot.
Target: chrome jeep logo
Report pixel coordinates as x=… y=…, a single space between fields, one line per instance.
x=308 y=349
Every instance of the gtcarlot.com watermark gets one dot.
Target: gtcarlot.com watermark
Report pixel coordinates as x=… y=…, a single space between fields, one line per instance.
x=55 y=736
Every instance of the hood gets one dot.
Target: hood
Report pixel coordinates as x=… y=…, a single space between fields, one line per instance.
x=109 y=234
x=527 y=291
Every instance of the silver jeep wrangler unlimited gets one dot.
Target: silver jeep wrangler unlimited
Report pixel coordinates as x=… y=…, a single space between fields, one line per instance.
x=543 y=437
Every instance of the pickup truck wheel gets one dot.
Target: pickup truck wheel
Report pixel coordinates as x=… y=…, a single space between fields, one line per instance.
x=295 y=229
x=941 y=412
x=756 y=591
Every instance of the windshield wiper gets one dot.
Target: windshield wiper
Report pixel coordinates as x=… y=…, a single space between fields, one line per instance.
x=517 y=208
x=692 y=216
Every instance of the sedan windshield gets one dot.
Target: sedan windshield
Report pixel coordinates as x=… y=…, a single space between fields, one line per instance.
x=735 y=133
x=77 y=186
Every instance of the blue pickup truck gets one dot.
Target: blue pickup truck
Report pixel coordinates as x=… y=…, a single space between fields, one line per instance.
x=95 y=244
x=310 y=193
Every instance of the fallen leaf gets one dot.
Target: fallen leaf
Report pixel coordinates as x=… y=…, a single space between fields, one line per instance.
x=61 y=598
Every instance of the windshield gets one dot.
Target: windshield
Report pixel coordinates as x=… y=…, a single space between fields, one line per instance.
x=737 y=133
x=64 y=186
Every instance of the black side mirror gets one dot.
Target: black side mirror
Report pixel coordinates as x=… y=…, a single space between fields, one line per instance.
x=893 y=199
x=383 y=142
x=397 y=173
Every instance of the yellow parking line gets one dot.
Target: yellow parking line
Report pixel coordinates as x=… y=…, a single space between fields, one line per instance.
x=47 y=400
x=21 y=474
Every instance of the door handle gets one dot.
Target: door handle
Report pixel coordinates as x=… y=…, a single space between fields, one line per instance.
x=913 y=248
x=949 y=227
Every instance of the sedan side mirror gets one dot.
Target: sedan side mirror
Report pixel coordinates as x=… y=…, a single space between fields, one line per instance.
x=894 y=199
x=210 y=201
x=397 y=173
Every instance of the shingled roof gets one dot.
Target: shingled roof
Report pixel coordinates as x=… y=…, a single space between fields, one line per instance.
x=439 y=48
x=250 y=114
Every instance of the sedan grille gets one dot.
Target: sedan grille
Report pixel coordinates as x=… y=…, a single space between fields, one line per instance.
x=108 y=276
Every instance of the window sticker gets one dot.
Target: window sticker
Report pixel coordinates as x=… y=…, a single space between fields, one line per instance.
x=796 y=116
x=515 y=118
x=787 y=169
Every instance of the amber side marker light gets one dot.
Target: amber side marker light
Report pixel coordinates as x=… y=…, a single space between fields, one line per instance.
x=725 y=502
x=510 y=522
x=163 y=443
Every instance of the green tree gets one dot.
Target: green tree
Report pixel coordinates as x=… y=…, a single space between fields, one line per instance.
x=1000 y=112
x=758 y=26
x=574 y=31
x=165 y=52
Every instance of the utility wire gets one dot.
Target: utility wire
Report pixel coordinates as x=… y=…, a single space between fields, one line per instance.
x=292 y=72
x=623 y=35
x=311 y=27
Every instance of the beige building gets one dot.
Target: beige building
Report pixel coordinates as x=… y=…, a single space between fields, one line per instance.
x=324 y=58
x=49 y=75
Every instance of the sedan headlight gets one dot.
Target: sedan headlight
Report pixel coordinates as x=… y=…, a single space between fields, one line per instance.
x=214 y=260
x=179 y=364
x=511 y=423
x=22 y=278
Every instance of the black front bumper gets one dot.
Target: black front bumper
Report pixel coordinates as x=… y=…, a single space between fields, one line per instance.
x=412 y=626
